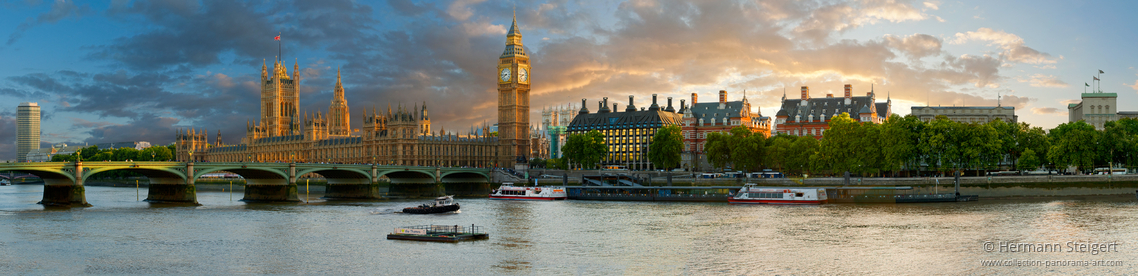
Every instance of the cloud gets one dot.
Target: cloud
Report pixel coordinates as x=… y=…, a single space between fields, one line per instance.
x=915 y=46
x=8 y=141
x=1135 y=85
x=60 y=9
x=1041 y=80
x=1046 y=110
x=1012 y=45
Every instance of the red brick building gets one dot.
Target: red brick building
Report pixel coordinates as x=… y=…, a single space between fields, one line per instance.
x=701 y=119
x=811 y=116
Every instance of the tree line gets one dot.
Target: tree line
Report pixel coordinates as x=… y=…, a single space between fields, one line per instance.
x=902 y=145
x=907 y=145
x=94 y=153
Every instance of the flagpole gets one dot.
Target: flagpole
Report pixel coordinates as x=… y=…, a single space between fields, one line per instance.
x=279 y=53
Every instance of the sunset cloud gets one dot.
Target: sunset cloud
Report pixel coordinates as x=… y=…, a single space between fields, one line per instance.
x=1041 y=80
x=1012 y=46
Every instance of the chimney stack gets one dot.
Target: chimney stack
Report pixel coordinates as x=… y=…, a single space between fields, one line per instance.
x=722 y=96
x=683 y=105
x=630 y=107
x=654 y=106
x=849 y=91
x=670 y=109
x=805 y=93
x=694 y=99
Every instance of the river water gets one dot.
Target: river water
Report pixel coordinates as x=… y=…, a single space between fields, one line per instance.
x=120 y=235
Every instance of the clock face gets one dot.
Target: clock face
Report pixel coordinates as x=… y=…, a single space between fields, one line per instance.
x=523 y=74
x=505 y=75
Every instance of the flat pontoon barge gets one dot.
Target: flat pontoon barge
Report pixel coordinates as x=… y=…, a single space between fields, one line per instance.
x=439 y=233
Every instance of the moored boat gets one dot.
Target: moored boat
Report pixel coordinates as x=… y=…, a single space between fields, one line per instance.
x=441 y=205
x=751 y=194
x=509 y=191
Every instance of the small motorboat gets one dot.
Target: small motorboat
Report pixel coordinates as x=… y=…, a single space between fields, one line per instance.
x=5 y=182
x=441 y=205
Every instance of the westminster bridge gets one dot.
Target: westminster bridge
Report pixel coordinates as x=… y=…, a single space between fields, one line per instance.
x=269 y=182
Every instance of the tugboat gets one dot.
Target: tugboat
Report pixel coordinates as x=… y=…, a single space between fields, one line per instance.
x=509 y=191
x=442 y=205
x=750 y=194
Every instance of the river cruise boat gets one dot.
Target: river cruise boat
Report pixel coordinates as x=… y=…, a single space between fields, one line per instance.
x=441 y=205
x=509 y=191
x=751 y=194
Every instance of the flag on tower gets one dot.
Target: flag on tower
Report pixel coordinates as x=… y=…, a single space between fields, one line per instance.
x=1101 y=72
x=277 y=38
x=1088 y=85
x=1096 y=78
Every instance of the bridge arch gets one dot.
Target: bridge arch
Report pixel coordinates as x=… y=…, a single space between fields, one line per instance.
x=157 y=175
x=252 y=175
x=50 y=176
x=465 y=177
x=408 y=176
x=336 y=176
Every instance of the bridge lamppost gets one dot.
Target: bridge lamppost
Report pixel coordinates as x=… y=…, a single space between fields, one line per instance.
x=152 y=154
x=292 y=157
x=191 y=156
x=248 y=158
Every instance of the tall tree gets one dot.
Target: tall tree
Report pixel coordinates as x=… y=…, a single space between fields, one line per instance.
x=839 y=145
x=667 y=144
x=585 y=149
x=1073 y=144
x=717 y=147
x=778 y=151
x=900 y=137
x=803 y=155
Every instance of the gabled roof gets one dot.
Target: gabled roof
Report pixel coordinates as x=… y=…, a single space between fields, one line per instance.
x=829 y=106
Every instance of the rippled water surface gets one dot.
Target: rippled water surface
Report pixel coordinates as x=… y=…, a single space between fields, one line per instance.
x=120 y=235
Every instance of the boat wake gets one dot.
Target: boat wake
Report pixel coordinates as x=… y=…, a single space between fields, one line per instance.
x=379 y=211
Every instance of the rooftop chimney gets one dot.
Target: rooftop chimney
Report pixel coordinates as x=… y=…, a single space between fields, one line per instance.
x=805 y=93
x=630 y=107
x=683 y=106
x=849 y=91
x=722 y=96
x=584 y=110
x=670 y=109
x=694 y=99
x=654 y=106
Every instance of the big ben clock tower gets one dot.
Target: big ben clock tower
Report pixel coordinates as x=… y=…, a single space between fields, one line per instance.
x=513 y=100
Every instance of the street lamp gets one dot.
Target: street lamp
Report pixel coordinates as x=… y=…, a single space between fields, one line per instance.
x=152 y=154
x=248 y=158
x=191 y=156
x=292 y=156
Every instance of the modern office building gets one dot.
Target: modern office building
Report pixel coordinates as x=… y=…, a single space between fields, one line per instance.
x=627 y=133
x=27 y=130
x=811 y=116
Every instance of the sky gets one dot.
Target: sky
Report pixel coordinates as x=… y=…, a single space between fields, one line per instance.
x=113 y=71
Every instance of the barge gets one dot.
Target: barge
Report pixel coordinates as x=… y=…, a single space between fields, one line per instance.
x=439 y=233
x=652 y=193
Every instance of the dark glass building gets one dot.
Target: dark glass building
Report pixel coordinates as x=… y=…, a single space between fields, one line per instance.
x=627 y=133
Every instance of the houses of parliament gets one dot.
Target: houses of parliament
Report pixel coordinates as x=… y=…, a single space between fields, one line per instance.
x=395 y=136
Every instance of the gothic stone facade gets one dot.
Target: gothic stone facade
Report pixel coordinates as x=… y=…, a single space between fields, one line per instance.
x=398 y=137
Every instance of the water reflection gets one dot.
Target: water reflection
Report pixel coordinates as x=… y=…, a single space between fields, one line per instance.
x=120 y=235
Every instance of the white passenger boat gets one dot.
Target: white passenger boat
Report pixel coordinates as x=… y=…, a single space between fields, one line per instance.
x=509 y=191
x=751 y=194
